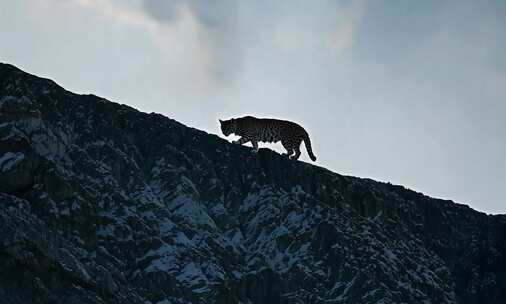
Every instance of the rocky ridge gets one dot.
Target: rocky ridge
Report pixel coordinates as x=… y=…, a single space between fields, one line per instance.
x=101 y=203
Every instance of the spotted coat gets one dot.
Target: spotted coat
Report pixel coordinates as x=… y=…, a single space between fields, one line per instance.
x=257 y=130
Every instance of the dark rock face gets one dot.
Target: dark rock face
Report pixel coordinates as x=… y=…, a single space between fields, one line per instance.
x=100 y=203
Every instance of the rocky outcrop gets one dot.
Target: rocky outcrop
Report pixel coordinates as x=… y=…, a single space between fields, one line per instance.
x=101 y=203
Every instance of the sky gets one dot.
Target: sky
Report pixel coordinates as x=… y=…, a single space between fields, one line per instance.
x=407 y=92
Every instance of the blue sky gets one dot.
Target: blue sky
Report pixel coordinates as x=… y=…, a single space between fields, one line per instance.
x=411 y=92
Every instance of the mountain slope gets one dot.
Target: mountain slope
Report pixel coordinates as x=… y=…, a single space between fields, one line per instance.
x=101 y=203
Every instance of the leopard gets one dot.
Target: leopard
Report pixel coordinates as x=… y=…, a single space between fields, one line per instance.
x=269 y=130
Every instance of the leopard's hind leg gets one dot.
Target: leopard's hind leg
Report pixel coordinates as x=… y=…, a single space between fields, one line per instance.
x=296 y=155
x=296 y=148
x=288 y=148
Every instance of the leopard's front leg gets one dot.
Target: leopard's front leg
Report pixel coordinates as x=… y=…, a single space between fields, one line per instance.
x=241 y=141
x=255 y=146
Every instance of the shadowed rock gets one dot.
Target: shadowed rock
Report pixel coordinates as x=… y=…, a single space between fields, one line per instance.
x=101 y=203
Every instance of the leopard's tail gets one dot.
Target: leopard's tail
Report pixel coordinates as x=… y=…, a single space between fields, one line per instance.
x=307 y=143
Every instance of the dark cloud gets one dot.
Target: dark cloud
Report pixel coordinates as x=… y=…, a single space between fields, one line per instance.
x=219 y=25
x=163 y=11
x=210 y=13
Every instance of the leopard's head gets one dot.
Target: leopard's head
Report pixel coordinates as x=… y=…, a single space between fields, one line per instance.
x=228 y=126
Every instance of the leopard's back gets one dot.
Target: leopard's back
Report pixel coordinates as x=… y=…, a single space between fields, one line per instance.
x=269 y=130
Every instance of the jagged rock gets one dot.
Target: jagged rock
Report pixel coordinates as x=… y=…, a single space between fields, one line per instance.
x=100 y=203
x=16 y=172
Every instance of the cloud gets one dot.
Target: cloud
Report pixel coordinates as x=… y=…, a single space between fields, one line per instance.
x=350 y=15
x=121 y=12
x=210 y=13
x=218 y=27
x=219 y=34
